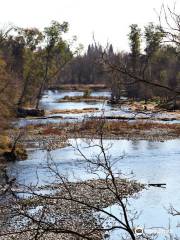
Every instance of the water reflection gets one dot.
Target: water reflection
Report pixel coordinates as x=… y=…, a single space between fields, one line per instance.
x=151 y=162
x=50 y=102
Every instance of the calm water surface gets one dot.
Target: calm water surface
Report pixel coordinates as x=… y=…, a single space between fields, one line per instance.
x=150 y=162
x=146 y=161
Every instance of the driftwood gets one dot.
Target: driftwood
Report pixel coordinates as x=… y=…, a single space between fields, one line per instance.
x=162 y=185
x=115 y=118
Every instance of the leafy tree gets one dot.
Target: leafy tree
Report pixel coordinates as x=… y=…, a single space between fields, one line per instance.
x=32 y=38
x=135 y=43
x=135 y=46
x=153 y=38
x=52 y=40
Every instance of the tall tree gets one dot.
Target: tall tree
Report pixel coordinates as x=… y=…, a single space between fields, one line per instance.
x=153 y=38
x=32 y=38
x=52 y=39
x=135 y=46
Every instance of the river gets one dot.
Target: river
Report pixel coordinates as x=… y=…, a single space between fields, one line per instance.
x=145 y=161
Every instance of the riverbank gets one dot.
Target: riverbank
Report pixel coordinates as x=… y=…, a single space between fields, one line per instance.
x=79 y=87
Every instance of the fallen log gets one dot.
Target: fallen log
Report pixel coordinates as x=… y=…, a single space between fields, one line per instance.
x=115 y=118
x=157 y=184
x=25 y=112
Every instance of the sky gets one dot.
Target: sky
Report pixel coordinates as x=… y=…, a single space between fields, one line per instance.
x=108 y=20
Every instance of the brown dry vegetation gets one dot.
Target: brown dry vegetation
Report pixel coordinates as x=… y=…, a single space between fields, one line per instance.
x=144 y=130
x=6 y=147
x=83 y=99
x=74 y=111
x=111 y=129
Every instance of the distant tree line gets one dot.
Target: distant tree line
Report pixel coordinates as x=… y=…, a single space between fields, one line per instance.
x=86 y=68
x=31 y=60
x=150 y=57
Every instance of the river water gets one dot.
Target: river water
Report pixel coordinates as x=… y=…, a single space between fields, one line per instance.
x=145 y=161
x=50 y=99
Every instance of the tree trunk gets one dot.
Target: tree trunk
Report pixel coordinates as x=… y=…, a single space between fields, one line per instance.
x=44 y=79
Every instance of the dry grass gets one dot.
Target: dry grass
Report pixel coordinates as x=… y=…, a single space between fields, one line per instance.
x=119 y=125
x=83 y=99
x=114 y=129
x=73 y=111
